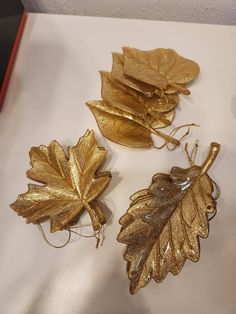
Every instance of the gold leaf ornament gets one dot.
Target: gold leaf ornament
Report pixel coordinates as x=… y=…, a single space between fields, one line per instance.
x=134 y=107
x=118 y=74
x=71 y=184
x=154 y=110
x=127 y=120
x=163 y=224
x=160 y=67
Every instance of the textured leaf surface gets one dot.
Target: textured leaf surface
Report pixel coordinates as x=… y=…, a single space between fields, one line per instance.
x=71 y=184
x=159 y=67
x=123 y=127
x=162 y=103
x=119 y=75
x=146 y=109
x=140 y=96
x=164 y=222
x=120 y=126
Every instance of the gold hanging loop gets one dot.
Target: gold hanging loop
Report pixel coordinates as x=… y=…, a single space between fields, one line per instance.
x=48 y=242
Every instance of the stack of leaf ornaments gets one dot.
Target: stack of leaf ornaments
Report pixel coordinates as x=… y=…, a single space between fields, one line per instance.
x=140 y=95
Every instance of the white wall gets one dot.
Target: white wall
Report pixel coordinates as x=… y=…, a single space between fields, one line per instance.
x=203 y=11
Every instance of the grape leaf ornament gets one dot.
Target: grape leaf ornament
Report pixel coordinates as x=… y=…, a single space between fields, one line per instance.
x=140 y=96
x=70 y=184
x=163 y=224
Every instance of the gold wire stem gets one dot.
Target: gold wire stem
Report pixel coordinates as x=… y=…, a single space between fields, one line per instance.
x=167 y=138
x=180 y=89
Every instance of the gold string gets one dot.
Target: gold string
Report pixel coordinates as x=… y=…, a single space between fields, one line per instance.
x=193 y=155
x=194 y=151
x=188 y=155
x=48 y=242
x=70 y=231
x=96 y=234
x=172 y=133
x=182 y=137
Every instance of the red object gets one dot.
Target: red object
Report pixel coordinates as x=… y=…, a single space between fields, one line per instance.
x=12 y=59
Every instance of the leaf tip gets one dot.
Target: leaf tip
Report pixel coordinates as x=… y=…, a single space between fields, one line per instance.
x=91 y=104
x=133 y=288
x=13 y=206
x=103 y=73
x=28 y=173
x=108 y=173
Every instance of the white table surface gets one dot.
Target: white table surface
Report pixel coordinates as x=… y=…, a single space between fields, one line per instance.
x=55 y=74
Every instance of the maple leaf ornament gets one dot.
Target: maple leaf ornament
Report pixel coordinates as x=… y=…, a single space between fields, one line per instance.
x=71 y=184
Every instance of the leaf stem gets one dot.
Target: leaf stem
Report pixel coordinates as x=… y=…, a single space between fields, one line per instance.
x=214 y=150
x=167 y=138
x=180 y=88
x=93 y=216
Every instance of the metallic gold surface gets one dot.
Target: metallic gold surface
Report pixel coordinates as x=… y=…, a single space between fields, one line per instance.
x=125 y=128
x=71 y=184
x=118 y=74
x=161 y=68
x=119 y=127
x=164 y=222
x=140 y=96
x=146 y=108
x=162 y=103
